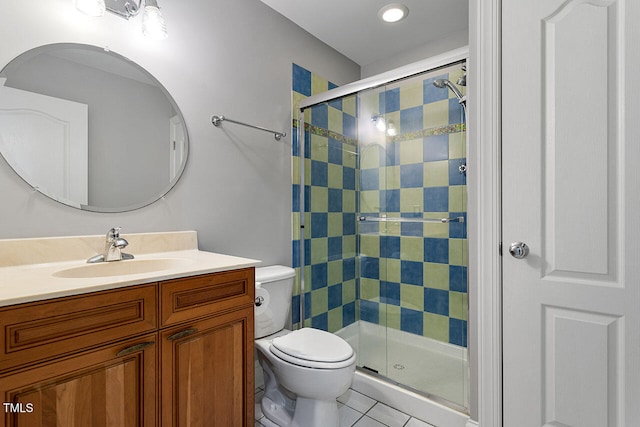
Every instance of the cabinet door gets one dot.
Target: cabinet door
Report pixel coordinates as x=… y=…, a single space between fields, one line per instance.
x=207 y=372
x=112 y=386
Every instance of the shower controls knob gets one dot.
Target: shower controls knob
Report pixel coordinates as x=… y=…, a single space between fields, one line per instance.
x=519 y=250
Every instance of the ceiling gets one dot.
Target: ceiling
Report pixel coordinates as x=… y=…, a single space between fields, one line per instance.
x=352 y=27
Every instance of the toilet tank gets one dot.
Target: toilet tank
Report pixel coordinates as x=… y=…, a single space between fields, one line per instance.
x=274 y=285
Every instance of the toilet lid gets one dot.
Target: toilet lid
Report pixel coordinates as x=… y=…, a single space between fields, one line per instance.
x=313 y=348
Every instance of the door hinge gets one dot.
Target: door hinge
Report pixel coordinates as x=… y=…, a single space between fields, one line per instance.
x=500 y=248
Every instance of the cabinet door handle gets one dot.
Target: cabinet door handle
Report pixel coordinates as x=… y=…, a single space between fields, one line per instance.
x=182 y=334
x=134 y=348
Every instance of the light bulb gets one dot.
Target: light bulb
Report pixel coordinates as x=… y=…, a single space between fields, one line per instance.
x=391 y=129
x=393 y=12
x=91 y=7
x=153 y=24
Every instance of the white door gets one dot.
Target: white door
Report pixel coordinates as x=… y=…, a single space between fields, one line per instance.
x=571 y=192
x=45 y=140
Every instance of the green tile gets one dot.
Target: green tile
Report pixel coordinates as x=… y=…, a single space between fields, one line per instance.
x=370 y=201
x=436 y=114
x=458 y=305
x=370 y=156
x=369 y=289
x=318 y=84
x=457 y=252
x=295 y=226
x=370 y=245
x=296 y=98
x=411 y=95
x=391 y=228
x=390 y=178
x=319 y=301
x=411 y=200
x=295 y=170
x=436 y=326
x=412 y=297
x=391 y=270
x=334 y=224
x=319 y=149
x=436 y=174
x=335 y=120
x=319 y=250
x=319 y=199
x=334 y=318
x=457 y=145
x=436 y=229
x=349 y=246
x=411 y=248
x=392 y=313
x=436 y=275
x=411 y=151
x=349 y=156
x=349 y=105
x=458 y=198
x=334 y=272
x=349 y=291
x=334 y=178
x=349 y=201
x=307 y=228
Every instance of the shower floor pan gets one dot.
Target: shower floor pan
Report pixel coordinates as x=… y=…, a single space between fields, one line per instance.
x=436 y=369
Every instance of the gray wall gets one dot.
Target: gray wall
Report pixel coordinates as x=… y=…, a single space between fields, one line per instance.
x=221 y=57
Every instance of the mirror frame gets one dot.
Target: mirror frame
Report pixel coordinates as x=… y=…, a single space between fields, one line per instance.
x=48 y=47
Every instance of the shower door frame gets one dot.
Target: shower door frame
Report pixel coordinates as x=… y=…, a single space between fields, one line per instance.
x=410 y=70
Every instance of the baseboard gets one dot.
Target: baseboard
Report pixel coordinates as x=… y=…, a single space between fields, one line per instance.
x=472 y=423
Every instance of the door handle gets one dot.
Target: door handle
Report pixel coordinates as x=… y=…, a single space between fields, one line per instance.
x=519 y=250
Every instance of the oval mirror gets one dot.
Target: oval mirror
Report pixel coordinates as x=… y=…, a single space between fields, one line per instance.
x=89 y=128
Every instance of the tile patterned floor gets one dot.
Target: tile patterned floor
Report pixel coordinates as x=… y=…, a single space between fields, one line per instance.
x=357 y=410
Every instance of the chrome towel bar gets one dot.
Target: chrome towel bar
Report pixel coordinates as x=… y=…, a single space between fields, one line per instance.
x=217 y=121
x=385 y=219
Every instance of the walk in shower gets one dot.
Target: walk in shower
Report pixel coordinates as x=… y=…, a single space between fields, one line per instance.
x=379 y=223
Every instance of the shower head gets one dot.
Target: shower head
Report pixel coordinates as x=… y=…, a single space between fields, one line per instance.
x=462 y=81
x=441 y=83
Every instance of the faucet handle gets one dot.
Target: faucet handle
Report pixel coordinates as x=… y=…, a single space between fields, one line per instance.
x=114 y=233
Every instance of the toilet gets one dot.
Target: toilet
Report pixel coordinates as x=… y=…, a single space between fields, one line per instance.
x=304 y=370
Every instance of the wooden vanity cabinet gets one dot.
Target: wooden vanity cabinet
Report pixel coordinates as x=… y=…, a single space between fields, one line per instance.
x=114 y=385
x=173 y=353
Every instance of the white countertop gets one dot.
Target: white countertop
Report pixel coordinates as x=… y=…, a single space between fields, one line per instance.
x=26 y=282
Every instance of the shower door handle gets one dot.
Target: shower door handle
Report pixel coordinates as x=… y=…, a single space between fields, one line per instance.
x=519 y=250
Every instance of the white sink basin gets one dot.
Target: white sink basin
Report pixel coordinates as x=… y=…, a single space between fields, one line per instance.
x=121 y=268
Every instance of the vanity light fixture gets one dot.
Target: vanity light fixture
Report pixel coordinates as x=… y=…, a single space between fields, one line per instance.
x=393 y=12
x=153 y=23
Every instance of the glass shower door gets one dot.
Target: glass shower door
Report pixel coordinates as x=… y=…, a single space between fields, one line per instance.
x=412 y=233
x=384 y=230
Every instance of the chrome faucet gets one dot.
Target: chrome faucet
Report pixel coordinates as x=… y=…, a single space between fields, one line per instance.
x=112 y=248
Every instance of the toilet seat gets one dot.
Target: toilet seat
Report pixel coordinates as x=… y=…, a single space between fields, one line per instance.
x=313 y=348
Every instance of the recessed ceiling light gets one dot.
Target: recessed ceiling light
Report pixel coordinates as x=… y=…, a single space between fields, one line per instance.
x=393 y=12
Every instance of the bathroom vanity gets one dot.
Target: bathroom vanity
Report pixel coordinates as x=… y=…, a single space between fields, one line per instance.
x=172 y=346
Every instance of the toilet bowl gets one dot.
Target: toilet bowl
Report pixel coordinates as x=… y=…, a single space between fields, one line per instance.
x=304 y=370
